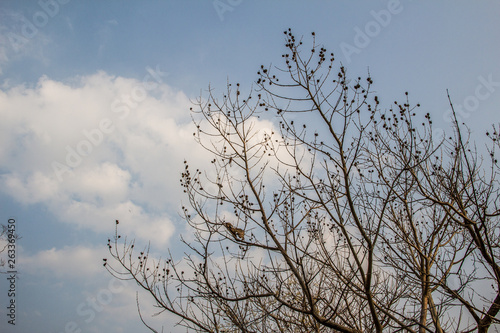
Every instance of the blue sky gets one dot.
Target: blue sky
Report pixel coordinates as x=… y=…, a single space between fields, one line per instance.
x=68 y=67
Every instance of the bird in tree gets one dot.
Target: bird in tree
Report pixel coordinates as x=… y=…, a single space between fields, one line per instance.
x=236 y=232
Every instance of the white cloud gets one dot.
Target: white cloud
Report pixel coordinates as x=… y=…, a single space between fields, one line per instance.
x=35 y=188
x=105 y=182
x=117 y=152
x=70 y=262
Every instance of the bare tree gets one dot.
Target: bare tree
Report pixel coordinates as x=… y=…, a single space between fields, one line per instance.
x=323 y=212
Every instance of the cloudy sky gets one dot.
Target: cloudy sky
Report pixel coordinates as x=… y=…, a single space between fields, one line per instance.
x=94 y=120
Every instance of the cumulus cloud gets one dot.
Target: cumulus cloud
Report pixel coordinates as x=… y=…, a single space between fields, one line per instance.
x=70 y=262
x=98 y=148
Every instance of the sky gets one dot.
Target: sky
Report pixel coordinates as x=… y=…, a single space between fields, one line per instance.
x=95 y=122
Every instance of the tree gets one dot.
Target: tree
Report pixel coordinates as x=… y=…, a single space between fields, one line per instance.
x=324 y=212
